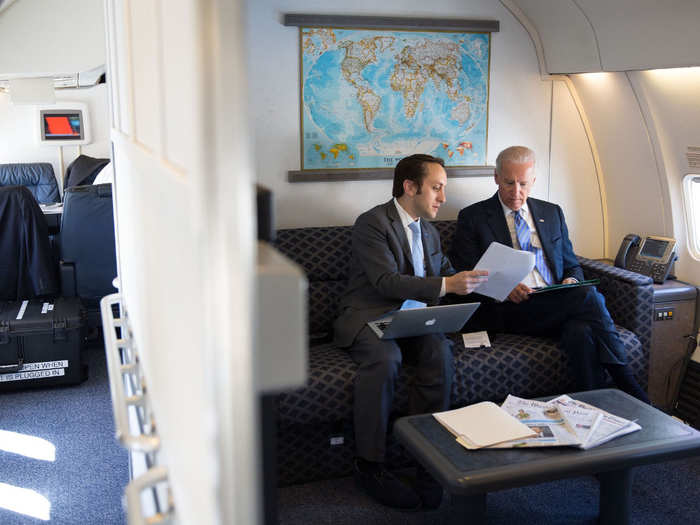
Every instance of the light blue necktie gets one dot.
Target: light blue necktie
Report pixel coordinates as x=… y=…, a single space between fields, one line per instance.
x=523 y=232
x=418 y=265
x=417 y=250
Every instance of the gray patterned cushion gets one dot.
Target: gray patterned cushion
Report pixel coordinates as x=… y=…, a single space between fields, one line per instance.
x=315 y=422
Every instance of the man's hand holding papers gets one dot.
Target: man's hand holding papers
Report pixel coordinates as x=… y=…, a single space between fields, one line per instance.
x=506 y=267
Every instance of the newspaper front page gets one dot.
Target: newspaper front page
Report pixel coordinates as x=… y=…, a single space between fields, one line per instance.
x=564 y=421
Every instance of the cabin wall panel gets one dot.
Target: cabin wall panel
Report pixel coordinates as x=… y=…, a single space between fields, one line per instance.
x=578 y=193
x=161 y=289
x=519 y=108
x=671 y=98
x=119 y=65
x=146 y=73
x=182 y=72
x=629 y=168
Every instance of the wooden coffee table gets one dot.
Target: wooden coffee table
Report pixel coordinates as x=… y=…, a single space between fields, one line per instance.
x=469 y=475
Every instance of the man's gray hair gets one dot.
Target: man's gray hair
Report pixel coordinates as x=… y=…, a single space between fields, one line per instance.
x=516 y=155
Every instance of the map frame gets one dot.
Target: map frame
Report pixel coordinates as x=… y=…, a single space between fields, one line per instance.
x=382 y=172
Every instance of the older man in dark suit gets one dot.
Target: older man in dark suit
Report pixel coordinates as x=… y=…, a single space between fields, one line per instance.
x=578 y=315
x=397 y=257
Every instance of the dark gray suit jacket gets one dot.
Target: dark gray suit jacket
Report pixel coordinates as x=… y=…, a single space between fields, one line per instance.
x=381 y=271
x=482 y=223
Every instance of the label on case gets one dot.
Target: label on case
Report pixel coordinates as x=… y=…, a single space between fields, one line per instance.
x=37 y=374
x=44 y=365
x=22 y=309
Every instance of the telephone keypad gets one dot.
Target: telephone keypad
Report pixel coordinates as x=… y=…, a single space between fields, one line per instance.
x=656 y=271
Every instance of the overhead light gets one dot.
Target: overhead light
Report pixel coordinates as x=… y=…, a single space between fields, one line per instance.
x=65 y=81
x=88 y=78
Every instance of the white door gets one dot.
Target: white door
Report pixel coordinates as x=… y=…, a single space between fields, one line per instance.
x=185 y=240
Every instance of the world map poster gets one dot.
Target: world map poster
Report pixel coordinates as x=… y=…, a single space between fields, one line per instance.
x=372 y=97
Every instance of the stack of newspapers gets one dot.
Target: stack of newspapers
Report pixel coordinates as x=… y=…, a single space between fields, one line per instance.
x=518 y=422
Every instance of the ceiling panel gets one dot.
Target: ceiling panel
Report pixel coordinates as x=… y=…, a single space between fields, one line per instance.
x=614 y=35
x=567 y=38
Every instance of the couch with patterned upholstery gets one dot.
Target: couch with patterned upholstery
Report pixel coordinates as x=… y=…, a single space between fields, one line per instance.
x=315 y=435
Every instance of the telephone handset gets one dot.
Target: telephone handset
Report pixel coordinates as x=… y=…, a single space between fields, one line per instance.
x=650 y=255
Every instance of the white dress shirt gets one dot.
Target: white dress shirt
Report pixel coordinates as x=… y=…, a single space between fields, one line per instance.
x=406 y=219
x=534 y=278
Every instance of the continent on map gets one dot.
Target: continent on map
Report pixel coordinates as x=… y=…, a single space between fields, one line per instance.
x=334 y=150
x=357 y=56
x=317 y=41
x=461 y=111
x=438 y=61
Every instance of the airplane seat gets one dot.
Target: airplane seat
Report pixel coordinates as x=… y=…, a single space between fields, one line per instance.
x=83 y=170
x=87 y=250
x=38 y=177
x=27 y=268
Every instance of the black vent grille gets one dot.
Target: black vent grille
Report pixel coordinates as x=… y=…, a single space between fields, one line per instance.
x=688 y=404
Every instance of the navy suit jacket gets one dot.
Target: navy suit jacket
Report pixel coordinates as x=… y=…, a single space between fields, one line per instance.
x=381 y=270
x=482 y=223
x=26 y=264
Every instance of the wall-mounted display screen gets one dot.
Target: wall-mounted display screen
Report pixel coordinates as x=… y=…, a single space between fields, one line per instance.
x=62 y=126
x=65 y=123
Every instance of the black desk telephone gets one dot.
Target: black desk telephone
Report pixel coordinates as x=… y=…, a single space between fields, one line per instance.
x=650 y=255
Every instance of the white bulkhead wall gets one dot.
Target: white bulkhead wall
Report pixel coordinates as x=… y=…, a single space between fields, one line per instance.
x=633 y=190
x=644 y=122
x=19 y=128
x=669 y=101
x=42 y=37
x=523 y=109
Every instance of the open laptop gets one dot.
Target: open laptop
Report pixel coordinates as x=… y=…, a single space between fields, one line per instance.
x=420 y=321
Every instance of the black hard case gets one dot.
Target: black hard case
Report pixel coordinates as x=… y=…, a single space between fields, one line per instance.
x=44 y=347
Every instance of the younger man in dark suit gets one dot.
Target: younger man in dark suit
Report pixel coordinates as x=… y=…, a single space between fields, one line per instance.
x=396 y=256
x=578 y=315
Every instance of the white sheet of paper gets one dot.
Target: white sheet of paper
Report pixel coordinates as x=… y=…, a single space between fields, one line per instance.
x=506 y=266
x=476 y=339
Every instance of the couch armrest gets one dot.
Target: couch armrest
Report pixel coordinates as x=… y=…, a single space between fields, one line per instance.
x=629 y=297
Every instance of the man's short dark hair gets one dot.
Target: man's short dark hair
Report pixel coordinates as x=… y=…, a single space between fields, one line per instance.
x=412 y=168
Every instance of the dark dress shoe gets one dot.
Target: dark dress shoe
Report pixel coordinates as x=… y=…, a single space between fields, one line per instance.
x=429 y=490
x=384 y=487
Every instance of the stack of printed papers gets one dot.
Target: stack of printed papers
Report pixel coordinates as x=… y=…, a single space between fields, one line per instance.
x=607 y=427
x=563 y=421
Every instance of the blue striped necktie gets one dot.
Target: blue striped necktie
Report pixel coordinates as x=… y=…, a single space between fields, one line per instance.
x=417 y=250
x=523 y=232
x=417 y=261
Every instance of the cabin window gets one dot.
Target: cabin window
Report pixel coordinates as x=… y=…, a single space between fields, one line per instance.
x=691 y=193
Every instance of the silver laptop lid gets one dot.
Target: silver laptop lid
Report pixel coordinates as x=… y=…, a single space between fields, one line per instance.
x=421 y=321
